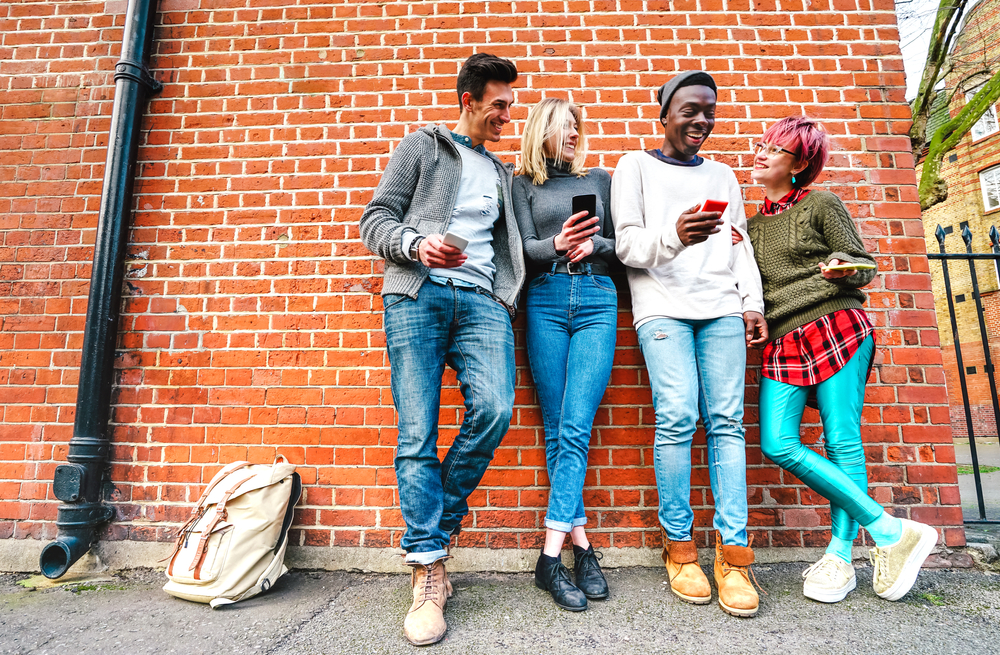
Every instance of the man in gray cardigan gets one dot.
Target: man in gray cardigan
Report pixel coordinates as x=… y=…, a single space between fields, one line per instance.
x=448 y=305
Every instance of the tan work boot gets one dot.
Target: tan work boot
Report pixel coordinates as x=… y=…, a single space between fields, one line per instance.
x=732 y=576
x=687 y=580
x=424 y=623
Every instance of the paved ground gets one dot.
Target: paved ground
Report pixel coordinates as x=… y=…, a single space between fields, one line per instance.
x=988 y=452
x=341 y=613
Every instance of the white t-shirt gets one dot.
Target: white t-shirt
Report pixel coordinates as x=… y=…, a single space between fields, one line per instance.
x=706 y=280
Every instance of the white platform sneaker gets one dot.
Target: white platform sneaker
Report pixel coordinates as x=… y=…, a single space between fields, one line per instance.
x=829 y=580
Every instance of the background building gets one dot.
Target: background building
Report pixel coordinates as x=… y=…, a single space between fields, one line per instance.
x=251 y=322
x=972 y=171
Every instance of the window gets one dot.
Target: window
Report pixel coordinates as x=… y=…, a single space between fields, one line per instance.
x=989 y=180
x=987 y=124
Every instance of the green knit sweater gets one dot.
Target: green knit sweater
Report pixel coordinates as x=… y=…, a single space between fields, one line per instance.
x=788 y=246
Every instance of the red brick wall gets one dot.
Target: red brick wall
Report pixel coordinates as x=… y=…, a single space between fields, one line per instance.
x=251 y=320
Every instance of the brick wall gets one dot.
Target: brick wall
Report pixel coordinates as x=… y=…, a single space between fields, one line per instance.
x=251 y=318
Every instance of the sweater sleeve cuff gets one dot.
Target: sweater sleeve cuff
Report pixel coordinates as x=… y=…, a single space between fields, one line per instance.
x=669 y=238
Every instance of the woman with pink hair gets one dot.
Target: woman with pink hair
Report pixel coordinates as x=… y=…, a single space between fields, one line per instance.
x=813 y=264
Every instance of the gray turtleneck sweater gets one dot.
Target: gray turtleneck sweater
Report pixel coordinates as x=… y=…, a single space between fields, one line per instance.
x=542 y=210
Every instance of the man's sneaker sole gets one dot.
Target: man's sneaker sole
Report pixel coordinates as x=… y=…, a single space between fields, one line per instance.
x=911 y=568
x=831 y=596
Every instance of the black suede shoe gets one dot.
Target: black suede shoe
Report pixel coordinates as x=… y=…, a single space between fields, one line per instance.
x=553 y=577
x=589 y=577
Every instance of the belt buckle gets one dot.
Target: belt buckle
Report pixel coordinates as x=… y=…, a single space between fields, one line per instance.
x=582 y=270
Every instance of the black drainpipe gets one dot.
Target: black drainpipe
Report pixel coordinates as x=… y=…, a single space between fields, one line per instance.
x=80 y=484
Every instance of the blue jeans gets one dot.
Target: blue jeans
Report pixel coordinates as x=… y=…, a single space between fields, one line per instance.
x=471 y=332
x=571 y=337
x=842 y=479
x=698 y=365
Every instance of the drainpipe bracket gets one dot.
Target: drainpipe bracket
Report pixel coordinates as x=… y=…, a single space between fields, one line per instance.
x=139 y=73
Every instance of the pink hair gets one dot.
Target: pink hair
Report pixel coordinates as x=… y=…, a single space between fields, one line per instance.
x=807 y=139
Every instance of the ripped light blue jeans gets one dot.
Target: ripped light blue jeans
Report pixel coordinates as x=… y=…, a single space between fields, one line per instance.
x=698 y=366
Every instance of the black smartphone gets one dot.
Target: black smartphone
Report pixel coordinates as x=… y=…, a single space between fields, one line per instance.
x=586 y=202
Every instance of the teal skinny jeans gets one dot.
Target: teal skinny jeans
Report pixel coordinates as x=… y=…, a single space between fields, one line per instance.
x=842 y=479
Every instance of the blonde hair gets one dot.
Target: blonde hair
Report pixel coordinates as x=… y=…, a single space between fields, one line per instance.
x=544 y=120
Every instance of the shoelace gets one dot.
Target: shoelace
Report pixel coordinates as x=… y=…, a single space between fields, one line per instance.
x=727 y=567
x=879 y=558
x=429 y=591
x=825 y=566
x=591 y=560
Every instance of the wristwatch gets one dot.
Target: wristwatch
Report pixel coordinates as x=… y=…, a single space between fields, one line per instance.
x=415 y=249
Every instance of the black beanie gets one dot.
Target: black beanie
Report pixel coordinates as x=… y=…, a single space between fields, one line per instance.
x=687 y=78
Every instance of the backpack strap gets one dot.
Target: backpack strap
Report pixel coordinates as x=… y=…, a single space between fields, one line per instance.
x=220 y=515
x=219 y=477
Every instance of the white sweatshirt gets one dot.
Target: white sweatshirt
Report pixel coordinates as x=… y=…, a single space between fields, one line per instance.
x=706 y=280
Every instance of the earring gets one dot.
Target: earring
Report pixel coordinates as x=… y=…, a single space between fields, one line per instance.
x=793 y=179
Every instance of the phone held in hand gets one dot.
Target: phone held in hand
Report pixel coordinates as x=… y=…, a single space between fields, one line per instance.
x=848 y=266
x=714 y=206
x=455 y=241
x=586 y=202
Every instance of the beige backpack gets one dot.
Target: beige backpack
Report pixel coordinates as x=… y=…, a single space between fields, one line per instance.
x=233 y=546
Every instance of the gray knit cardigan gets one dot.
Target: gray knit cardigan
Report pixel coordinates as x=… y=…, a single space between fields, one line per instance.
x=417 y=193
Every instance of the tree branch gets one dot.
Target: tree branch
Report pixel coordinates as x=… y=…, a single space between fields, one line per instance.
x=932 y=189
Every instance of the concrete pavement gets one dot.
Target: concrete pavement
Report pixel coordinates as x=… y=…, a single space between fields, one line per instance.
x=346 y=613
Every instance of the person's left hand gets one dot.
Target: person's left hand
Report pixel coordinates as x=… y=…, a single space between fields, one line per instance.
x=833 y=275
x=737 y=237
x=755 y=324
x=585 y=249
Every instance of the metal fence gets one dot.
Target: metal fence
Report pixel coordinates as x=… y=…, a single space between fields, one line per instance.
x=970 y=258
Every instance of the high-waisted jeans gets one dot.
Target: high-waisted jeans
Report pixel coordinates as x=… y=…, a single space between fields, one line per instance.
x=841 y=479
x=698 y=365
x=471 y=332
x=571 y=345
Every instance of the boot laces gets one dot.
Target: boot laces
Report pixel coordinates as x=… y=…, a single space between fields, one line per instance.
x=591 y=560
x=727 y=568
x=429 y=591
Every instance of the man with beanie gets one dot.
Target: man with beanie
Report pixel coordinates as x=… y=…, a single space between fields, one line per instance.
x=697 y=304
x=444 y=304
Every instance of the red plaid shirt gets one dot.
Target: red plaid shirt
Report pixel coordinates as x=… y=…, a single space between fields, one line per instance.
x=812 y=353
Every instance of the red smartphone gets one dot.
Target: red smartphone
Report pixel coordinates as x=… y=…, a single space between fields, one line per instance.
x=714 y=206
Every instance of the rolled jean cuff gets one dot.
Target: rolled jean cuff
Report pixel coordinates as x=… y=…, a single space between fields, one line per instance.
x=425 y=558
x=561 y=526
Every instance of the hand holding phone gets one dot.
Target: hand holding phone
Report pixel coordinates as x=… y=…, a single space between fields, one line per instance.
x=838 y=269
x=698 y=223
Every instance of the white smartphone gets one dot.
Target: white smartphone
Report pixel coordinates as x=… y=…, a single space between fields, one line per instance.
x=455 y=241
x=847 y=266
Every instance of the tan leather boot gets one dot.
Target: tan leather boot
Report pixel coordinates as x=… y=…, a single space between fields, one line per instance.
x=687 y=580
x=424 y=623
x=732 y=577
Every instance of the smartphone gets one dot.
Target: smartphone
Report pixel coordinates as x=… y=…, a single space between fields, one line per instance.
x=455 y=241
x=588 y=203
x=847 y=266
x=714 y=206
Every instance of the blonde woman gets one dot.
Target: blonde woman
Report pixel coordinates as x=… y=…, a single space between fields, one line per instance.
x=572 y=309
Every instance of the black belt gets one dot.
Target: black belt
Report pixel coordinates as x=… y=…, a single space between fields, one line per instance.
x=581 y=268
